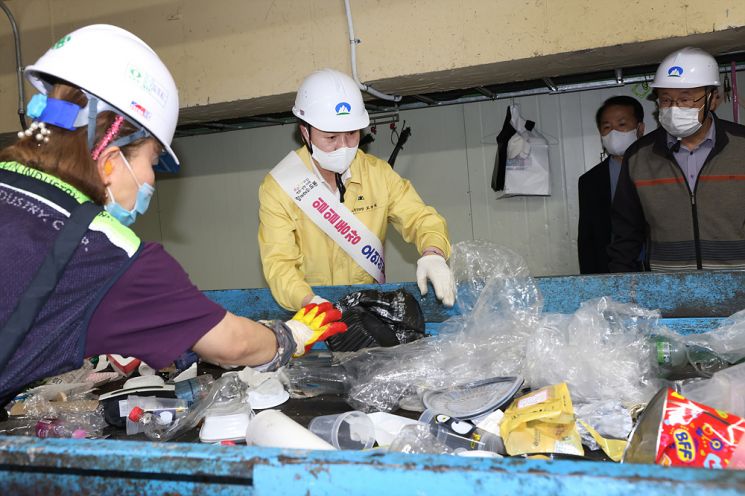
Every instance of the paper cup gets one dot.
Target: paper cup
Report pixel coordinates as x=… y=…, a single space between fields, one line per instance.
x=274 y=429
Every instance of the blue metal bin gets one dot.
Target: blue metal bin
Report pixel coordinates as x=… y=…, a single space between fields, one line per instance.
x=689 y=302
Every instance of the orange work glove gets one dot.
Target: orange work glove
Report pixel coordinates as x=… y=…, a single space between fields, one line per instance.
x=314 y=323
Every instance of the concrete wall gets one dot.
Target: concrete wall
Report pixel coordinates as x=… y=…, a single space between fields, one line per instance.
x=233 y=57
x=208 y=215
x=237 y=57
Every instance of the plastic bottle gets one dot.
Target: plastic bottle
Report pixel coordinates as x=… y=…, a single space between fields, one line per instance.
x=194 y=389
x=152 y=404
x=152 y=424
x=678 y=360
x=225 y=392
x=60 y=428
x=461 y=435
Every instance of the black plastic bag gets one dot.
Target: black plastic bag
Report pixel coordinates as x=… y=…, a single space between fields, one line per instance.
x=376 y=318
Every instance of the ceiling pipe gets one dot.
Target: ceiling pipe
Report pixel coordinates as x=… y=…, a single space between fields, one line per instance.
x=19 y=65
x=481 y=97
x=550 y=85
x=486 y=93
x=353 y=47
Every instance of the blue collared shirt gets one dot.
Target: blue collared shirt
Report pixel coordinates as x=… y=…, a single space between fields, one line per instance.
x=614 y=167
x=691 y=161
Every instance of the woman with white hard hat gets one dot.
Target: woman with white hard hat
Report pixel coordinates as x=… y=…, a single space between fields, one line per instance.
x=325 y=208
x=77 y=281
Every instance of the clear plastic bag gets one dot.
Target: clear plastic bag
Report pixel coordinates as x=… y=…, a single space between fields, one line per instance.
x=608 y=418
x=602 y=351
x=724 y=391
x=71 y=424
x=727 y=340
x=314 y=374
x=501 y=304
x=228 y=394
x=37 y=406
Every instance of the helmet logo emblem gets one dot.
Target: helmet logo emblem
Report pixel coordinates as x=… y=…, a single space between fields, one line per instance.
x=343 y=108
x=139 y=109
x=148 y=84
x=62 y=41
x=675 y=71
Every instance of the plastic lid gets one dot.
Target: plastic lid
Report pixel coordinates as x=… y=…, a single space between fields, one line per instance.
x=165 y=417
x=136 y=414
x=473 y=399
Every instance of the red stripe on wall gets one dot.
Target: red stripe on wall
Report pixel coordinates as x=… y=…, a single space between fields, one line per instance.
x=734 y=177
x=655 y=182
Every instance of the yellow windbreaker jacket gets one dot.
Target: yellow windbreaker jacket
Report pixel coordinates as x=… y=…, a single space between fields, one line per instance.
x=295 y=254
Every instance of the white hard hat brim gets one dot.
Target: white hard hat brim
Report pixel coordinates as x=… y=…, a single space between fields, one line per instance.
x=683 y=85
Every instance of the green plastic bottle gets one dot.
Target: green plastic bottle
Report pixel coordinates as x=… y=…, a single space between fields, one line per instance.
x=679 y=360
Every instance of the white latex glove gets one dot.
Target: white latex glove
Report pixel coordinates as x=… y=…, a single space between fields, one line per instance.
x=318 y=300
x=435 y=268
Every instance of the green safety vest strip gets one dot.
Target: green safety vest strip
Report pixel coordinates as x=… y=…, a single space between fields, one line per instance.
x=119 y=235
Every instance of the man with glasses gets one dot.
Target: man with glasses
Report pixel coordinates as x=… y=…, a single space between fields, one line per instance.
x=682 y=187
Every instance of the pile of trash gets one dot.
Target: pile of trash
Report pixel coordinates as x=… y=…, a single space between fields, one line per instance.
x=586 y=376
x=502 y=378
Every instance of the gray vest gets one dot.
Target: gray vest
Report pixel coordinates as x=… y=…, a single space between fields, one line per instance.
x=704 y=228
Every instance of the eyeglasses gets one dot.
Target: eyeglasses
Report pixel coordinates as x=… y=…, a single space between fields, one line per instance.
x=683 y=102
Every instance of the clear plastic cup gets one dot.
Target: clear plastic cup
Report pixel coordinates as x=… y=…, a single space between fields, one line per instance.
x=461 y=435
x=348 y=431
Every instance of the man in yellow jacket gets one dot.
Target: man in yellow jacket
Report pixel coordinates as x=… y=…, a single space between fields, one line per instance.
x=325 y=208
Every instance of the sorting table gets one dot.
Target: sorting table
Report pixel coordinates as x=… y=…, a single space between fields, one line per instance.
x=689 y=302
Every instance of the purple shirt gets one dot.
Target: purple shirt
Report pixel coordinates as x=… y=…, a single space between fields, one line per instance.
x=153 y=312
x=691 y=162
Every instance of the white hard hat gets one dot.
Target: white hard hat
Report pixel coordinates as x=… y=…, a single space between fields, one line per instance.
x=331 y=101
x=687 y=68
x=119 y=69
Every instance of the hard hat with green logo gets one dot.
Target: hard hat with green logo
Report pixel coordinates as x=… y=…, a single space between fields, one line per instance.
x=118 y=72
x=331 y=101
x=687 y=68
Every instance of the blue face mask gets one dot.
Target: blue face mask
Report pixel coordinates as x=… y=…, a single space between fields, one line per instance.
x=144 y=194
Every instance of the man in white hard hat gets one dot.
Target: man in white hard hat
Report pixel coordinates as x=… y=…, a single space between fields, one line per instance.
x=682 y=187
x=325 y=208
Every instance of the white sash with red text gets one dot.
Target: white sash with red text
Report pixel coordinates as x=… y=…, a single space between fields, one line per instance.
x=330 y=215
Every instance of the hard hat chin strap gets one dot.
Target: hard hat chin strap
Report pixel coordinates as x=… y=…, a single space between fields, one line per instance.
x=707 y=103
x=90 y=113
x=307 y=141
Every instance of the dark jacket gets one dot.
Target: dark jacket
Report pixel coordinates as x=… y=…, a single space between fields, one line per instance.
x=687 y=230
x=594 y=230
x=33 y=208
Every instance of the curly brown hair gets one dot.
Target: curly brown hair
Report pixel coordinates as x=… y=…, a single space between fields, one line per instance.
x=66 y=155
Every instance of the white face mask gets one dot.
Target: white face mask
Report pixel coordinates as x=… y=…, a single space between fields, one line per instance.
x=616 y=142
x=337 y=161
x=680 y=122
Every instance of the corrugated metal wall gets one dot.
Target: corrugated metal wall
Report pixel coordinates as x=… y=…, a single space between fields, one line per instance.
x=207 y=217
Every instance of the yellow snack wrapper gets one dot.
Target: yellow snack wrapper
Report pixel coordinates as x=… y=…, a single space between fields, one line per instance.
x=614 y=448
x=542 y=422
